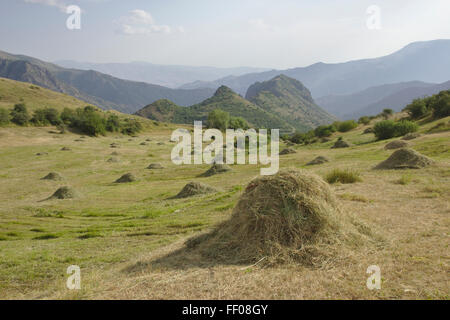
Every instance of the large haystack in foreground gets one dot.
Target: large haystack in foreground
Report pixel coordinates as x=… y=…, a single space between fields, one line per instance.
x=405 y=159
x=291 y=216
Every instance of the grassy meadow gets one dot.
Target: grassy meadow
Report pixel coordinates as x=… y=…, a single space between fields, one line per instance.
x=120 y=234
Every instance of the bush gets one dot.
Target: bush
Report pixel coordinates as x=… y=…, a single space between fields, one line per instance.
x=4 y=117
x=19 y=115
x=89 y=121
x=46 y=116
x=68 y=115
x=238 y=123
x=346 y=125
x=131 y=127
x=343 y=176
x=417 y=108
x=365 y=120
x=441 y=105
x=218 y=119
x=405 y=126
x=388 y=129
x=324 y=131
x=113 y=123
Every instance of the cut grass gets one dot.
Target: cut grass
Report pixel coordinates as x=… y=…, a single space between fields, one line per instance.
x=344 y=176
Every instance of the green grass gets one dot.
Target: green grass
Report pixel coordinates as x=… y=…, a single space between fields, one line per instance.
x=343 y=176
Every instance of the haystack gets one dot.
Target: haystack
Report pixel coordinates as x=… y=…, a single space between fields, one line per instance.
x=143 y=143
x=405 y=159
x=290 y=216
x=216 y=168
x=114 y=153
x=52 y=176
x=42 y=154
x=411 y=136
x=64 y=193
x=318 y=160
x=287 y=151
x=129 y=177
x=155 y=166
x=340 y=143
x=160 y=143
x=112 y=160
x=114 y=145
x=368 y=130
x=396 y=144
x=194 y=189
x=66 y=149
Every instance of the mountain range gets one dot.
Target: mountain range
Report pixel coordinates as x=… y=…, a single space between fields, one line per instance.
x=171 y=76
x=427 y=61
x=94 y=87
x=373 y=100
x=281 y=102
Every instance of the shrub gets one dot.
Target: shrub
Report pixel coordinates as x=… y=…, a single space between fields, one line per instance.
x=417 y=108
x=324 y=131
x=405 y=126
x=218 y=119
x=343 y=176
x=384 y=129
x=89 y=121
x=238 y=123
x=46 y=116
x=4 y=117
x=68 y=115
x=365 y=120
x=131 y=127
x=113 y=123
x=347 y=125
x=19 y=115
x=441 y=105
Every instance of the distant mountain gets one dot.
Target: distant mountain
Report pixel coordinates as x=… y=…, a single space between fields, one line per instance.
x=224 y=99
x=94 y=87
x=171 y=76
x=345 y=105
x=398 y=99
x=290 y=100
x=427 y=61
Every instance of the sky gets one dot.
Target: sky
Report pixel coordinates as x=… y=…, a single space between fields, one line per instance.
x=275 y=34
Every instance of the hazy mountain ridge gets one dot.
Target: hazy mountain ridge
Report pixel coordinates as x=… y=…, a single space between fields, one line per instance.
x=94 y=87
x=427 y=61
x=171 y=76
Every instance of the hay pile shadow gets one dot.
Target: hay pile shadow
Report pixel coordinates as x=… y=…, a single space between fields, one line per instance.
x=126 y=178
x=114 y=145
x=405 y=159
x=194 y=189
x=411 y=136
x=291 y=217
x=42 y=154
x=155 y=166
x=216 y=168
x=54 y=176
x=144 y=143
x=287 y=151
x=318 y=160
x=396 y=144
x=66 y=149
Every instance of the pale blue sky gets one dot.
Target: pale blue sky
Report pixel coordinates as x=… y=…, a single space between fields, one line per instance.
x=260 y=33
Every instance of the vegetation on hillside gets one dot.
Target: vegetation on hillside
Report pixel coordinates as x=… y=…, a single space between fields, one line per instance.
x=437 y=106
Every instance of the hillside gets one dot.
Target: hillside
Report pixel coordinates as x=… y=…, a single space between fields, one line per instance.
x=94 y=87
x=171 y=76
x=224 y=99
x=290 y=100
x=426 y=61
x=12 y=92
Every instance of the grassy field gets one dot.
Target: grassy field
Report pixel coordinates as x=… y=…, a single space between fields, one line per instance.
x=120 y=234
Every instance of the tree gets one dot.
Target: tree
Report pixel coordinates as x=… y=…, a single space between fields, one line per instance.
x=19 y=115
x=238 y=123
x=365 y=120
x=218 y=119
x=417 y=108
x=347 y=125
x=388 y=129
x=46 y=116
x=324 y=131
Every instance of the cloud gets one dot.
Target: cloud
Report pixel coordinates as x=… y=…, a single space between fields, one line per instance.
x=52 y=3
x=140 y=22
